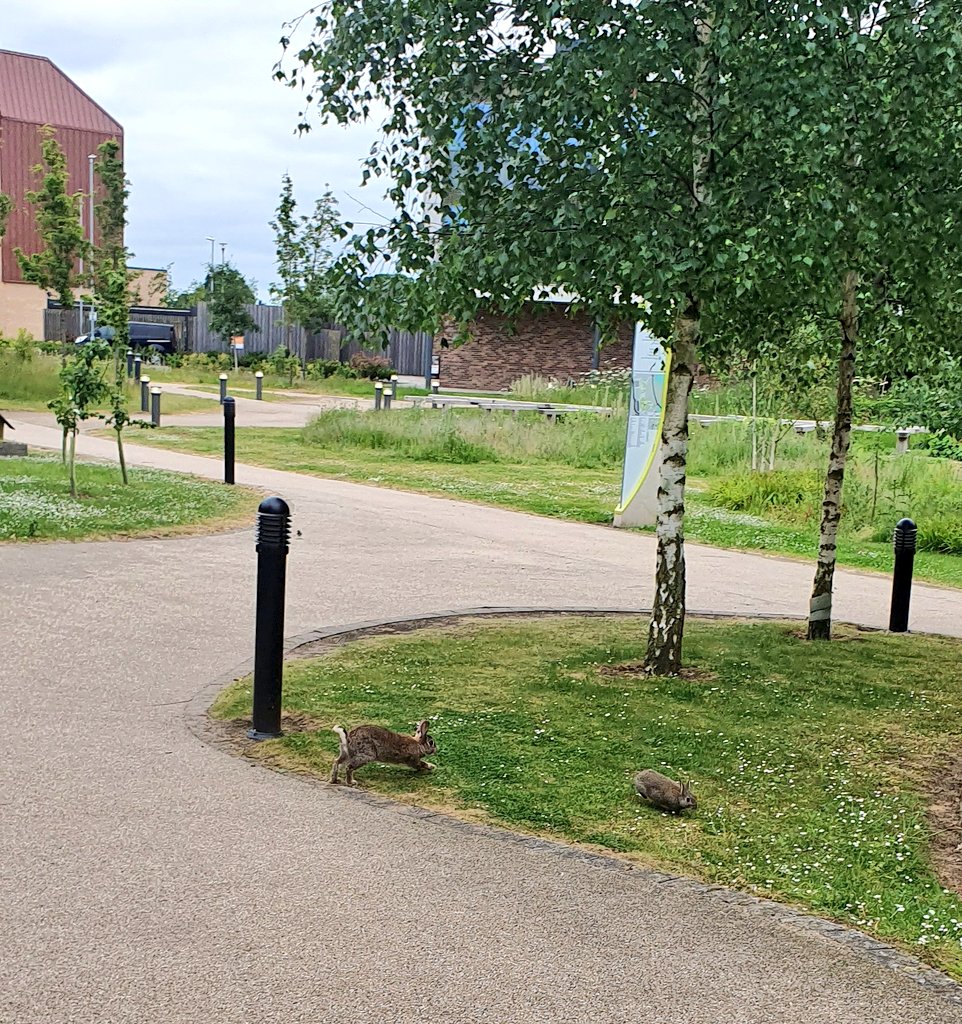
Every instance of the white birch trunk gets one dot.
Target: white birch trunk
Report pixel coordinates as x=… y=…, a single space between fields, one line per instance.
x=666 y=630
x=667 y=626
x=820 y=607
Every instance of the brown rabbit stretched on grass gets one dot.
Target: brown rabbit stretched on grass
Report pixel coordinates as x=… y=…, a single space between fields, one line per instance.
x=367 y=743
x=664 y=793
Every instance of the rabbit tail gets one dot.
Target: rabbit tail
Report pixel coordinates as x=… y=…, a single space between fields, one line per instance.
x=342 y=739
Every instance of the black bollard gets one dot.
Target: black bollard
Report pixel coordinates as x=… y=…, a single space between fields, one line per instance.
x=904 y=541
x=137 y=362
x=259 y=385
x=388 y=395
x=223 y=387
x=271 y=539
x=155 y=406
x=145 y=394
x=130 y=362
x=378 y=393
x=230 y=412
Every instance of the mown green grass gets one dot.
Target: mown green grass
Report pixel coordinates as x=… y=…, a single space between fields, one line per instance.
x=35 y=502
x=572 y=470
x=808 y=760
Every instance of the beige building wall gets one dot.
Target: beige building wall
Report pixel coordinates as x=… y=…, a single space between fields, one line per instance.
x=21 y=307
x=148 y=286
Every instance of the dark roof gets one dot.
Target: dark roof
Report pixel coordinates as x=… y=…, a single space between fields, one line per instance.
x=34 y=90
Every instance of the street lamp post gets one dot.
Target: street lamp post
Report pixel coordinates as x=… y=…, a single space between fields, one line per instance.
x=211 y=240
x=90 y=230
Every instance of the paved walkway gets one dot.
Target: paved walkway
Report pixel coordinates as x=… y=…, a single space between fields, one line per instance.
x=150 y=878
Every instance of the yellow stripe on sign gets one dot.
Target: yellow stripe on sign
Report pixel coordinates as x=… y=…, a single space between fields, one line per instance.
x=655 y=448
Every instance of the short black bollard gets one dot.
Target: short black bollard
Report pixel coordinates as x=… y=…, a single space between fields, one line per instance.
x=904 y=541
x=378 y=394
x=155 y=406
x=435 y=387
x=137 y=362
x=394 y=385
x=230 y=411
x=259 y=385
x=130 y=362
x=272 y=540
x=388 y=395
x=223 y=387
x=145 y=394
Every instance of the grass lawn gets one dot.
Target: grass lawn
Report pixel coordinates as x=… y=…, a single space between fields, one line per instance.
x=809 y=761
x=35 y=502
x=571 y=470
x=585 y=495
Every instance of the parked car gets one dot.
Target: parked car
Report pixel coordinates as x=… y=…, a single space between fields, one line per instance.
x=161 y=339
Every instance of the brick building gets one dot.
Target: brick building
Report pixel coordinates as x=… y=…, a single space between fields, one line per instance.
x=34 y=92
x=547 y=340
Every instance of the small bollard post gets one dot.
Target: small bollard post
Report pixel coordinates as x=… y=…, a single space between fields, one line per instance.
x=901 y=442
x=388 y=395
x=137 y=362
x=155 y=406
x=904 y=540
x=378 y=393
x=259 y=385
x=145 y=394
x=230 y=412
x=223 y=387
x=130 y=362
x=394 y=383
x=272 y=539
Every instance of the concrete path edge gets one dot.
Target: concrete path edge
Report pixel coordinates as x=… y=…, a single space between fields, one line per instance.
x=199 y=723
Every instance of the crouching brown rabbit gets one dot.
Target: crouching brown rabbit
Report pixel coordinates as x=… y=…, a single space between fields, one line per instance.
x=367 y=743
x=664 y=793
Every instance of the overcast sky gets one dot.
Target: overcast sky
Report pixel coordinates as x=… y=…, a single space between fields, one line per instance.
x=207 y=131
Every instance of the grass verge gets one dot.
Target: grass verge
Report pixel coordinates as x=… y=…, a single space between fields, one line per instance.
x=35 y=502
x=572 y=470
x=809 y=760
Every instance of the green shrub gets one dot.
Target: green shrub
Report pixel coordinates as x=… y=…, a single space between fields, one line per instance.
x=941 y=446
x=373 y=367
x=321 y=369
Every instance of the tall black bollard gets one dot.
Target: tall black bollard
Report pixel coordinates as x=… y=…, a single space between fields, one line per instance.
x=388 y=395
x=155 y=406
x=223 y=387
x=230 y=412
x=259 y=385
x=130 y=362
x=137 y=362
x=272 y=539
x=378 y=393
x=145 y=394
x=904 y=541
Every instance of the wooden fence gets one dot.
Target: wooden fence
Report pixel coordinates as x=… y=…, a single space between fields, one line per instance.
x=409 y=352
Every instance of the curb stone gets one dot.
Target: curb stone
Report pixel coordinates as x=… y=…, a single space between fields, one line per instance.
x=304 y=645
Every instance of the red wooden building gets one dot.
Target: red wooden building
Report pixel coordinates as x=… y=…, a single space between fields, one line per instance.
x=34 y=92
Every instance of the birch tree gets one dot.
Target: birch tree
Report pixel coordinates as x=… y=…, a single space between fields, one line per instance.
x=111 y=280
x=608 y=150
x=869 y=154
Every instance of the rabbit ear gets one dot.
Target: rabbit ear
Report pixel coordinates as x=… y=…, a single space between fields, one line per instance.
x=422 y=729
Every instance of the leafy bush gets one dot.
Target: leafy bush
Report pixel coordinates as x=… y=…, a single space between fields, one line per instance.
x=941 y=446
x=23 y=345
x=321 y=369
x=252 y=360
x=175 y=360
x=373 y=367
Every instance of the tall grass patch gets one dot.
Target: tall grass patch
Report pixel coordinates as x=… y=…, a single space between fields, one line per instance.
x=467 y=436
